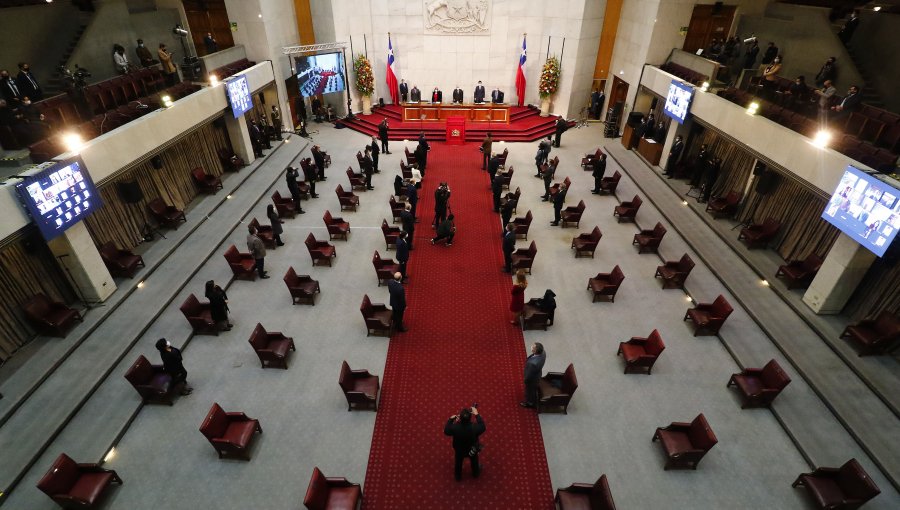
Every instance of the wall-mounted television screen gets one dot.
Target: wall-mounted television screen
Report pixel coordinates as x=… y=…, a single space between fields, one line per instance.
x=678 y=101
x=320 y=74
x=59 y=196
x=866 y=209
x=239 y=96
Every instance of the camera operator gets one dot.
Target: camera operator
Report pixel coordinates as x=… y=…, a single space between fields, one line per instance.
x=465 y=439
x=441 y=202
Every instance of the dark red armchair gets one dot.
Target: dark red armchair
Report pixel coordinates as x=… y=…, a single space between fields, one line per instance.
x=357 y=181
x=206 y=183
x=512 y=199
x=231 y=434
x=758 y=236
x=331 y=493
x=648 y=240
x=608 y=185
x=685 y=443
x=724 y=206
x=555 y=391
x=410 y=157
x=377 y=317
x=384 y=268
x=641 y=353
x=708 y=318
x=521 y=225
x=50 y=318
x=845 y=488
x=627 y=211
x=396 y=209
x=199 y=316
x=589 y=158
x=285 y=207
x=321 y=252
x=120 y=262
x=874 y=336
x=390 y=235
x=571 y=216
x=523 y=258
x=584 y=496
x=337 y=227
x=265 y=233
x=230 y=161
x=77 y=486
x=586 y=244
x=675 y=272
x=359 y=387
x=760 y=386
x=242 y=265
x=556 y=187
x=348 y=200
x=302 y=287
x=152 y=383
x=800 y=273
x=166 y=215
x=507 y=178
x=272 y=348
x=606 y=285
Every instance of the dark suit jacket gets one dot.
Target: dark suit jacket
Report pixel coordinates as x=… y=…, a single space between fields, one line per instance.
x=599 y=168
x=398 y=294
x=497 y=96
x=494 y=164
x=851 y=102
x=676 y=151
x=415 y=94
x=561 y=126
x=412 y=194
x=404 y=88
x=457 y=95
x=509 y=242
x=382 y=131
x=533 y=366
x=407 y=220
x=437 y=96
x=319 y=158
x=7 y=93
x=479 y=94
x=375 y=150
x=465 y=435
x=559 y=199
x=27 y=86
x=402 y=250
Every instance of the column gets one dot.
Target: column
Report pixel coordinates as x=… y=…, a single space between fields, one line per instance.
x=843 y=269
x=239 y=135
x=81 y=263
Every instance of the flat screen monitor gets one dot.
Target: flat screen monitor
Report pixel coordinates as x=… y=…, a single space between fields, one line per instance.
x=320 y=74
x=59 y=196
x=866 y=209
x=239 y=96
x=678 y=101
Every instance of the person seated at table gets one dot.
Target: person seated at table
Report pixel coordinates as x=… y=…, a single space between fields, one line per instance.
x=437 y=96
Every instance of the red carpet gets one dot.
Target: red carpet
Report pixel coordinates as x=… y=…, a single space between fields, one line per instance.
x=460 y=349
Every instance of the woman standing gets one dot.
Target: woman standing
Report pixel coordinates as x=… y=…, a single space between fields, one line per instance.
x=218 y=304
x=276 y=223
x=518 y=296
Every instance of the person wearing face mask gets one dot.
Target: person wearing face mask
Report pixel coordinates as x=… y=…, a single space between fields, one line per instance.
x=769 y=80
x=143 y=54
x=119 y=59
x=9 y=90
x=27 y=83
x=172 y=365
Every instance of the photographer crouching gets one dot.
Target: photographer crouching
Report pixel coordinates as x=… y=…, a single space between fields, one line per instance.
x=465 y=439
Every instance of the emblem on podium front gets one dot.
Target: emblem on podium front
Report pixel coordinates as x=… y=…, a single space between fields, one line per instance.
x=455 y=132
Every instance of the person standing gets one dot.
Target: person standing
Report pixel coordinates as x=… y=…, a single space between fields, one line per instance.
x=496 y=190
x=493 y=166
x=366 y=165
x=534 y=364
x=294 y=187
x=506 y=209
x=770 y=54
x=144 y=56
x=375 y=151
x=402 y=248
x=120 y=60
x=517 y=301
x=255 y=139
x=558 y=200
x=408 y=222
x=319 y=158
x=561 y=127
x=258 y=251
x=597 y=100
x=486 y=150
x=412 y=197
x=218 y=305
x=172 y=365
x=446 y=230
x=698 y=170
x=415 y=95
x=540 y=158
x=28 y=84
x=168 y=67
x=509 y=246
x=479 y=93
x=276 y=122
x=276 y=222
x=457 y=95
x=827 y=73
x=547 y=175
x=422 y=153
x=210 y=42
x=437 y=96
x=599 y=168
x=404 y=92
x=465 y=439
x=383 y=134
x=674 y=154
x=441 y=198
x=10 y=90
x=309 y=173
x=398 y=301
x=849 y=28
x=712 y=174
x=751 y=53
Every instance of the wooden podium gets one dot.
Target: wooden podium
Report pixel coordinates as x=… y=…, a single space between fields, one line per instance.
x=651 y=150
x=456 y=130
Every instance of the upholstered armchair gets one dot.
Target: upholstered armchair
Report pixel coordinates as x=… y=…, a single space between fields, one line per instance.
x=521 y=225
x=724 y=206
x=152 y=383
x=606 y=285
x=390 y=235
x=230 y=161
x=410 y=157
x=555 y=390
x=685 y=443
x=242 y=264
x=199 y=315
x=377 y=317
x=675 y=272
x=77 y=486
x=337 y=227
x=554 y=189
x=302 y=287
x=396 y=209
x=538 y=313
x=874 y=336
x=206 y=183
x=589 y=158
x=348 y=200
x=503 y=155
x=800 y=273
x=571 y=216
x=321 y=252
x=608 y=185
x=507 y=178
x=523 y=258
x=512 y=199
x=586 y=244
x=265 y=233
x=845 y=488
x=641 y=353
x=271 y=348
x=285 y=207
x=164 y=214
x=120 y=262
x=331 y=493
x=231 y=434
x=585 y=496
x=359 y=387
x=758 y=236
x=708 y=318
x=384 y=268
x=357 y=180
x=627 y=211
x=50 y=318
x=648 y=240
x=760 y=386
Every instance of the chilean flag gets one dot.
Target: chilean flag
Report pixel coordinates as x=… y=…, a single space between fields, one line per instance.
x=391 y=77
x=520 y=76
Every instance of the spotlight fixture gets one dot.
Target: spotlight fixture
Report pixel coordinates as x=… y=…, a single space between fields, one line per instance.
x=213 y=80
x=140 y=284
x=179 y=31
x=822 y=138
x=110 y=455
x=73 y=142
x=689 y=299
x=704 y=87
x=227 y=197
x=876 y=8
x=753 y=108
x=684 y=202
x=764 y=283
x=167 y=101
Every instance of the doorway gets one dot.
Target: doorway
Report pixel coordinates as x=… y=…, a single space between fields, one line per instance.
x=708 y=22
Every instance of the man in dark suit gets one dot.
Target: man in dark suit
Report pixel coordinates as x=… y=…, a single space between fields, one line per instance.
x=849 y=27
x=497 y=189
x=509 y=246
x=497 y=96
x=493 y=166
x=408 y=223
x=9 y=90
x=597 y=100
x=547 y=175
x=415 y=95
x=486 y=145
x=561 y=127
x=383 y=134
x=558 y=201
x=674 y=154
x=402 y=248
x=599 y=168
x=398 y=299
x=309 y=173
x=533 y=366
x=849 y=104
x=294 y=187
x=541 y=156
x=256 y=139
x=770 y=54
x=404 y=91
x=375 y=151
x=28 y=84
x=465 y=437
x=366 y=165
x=437 y=96
x=479 y=93
x=750 y=55
x=457 y=95
x=422 y=153
x=319 y=158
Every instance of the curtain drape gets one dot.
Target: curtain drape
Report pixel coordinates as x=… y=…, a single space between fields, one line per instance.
x=877 y=291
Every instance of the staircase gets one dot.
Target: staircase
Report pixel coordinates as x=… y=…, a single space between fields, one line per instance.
x=55 y=85
x=869 y=91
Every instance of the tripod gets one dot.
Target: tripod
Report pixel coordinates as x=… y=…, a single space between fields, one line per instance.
x=754 y=203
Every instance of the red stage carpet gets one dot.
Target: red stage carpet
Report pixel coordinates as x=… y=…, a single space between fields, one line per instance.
x=460 y=349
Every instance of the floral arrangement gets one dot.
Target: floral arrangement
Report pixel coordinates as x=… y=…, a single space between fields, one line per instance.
x=549 y=78
x=365 y=81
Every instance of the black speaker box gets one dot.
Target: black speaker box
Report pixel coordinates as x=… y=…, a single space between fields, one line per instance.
x=759 y=168
x=767 y=183
x=157 y=162
x=717 y=8
x=130 y=191
x=635 y=118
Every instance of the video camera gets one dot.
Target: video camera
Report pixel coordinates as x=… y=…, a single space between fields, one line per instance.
x=76 y=79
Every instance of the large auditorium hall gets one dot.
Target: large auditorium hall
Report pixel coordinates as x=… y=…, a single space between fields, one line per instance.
x=320 y=253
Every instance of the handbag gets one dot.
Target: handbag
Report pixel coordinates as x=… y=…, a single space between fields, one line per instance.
x=477 y=447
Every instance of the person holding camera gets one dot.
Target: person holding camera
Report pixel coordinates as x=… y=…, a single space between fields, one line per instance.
x=441 y=199
x=446 y=230
x=465 y=439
